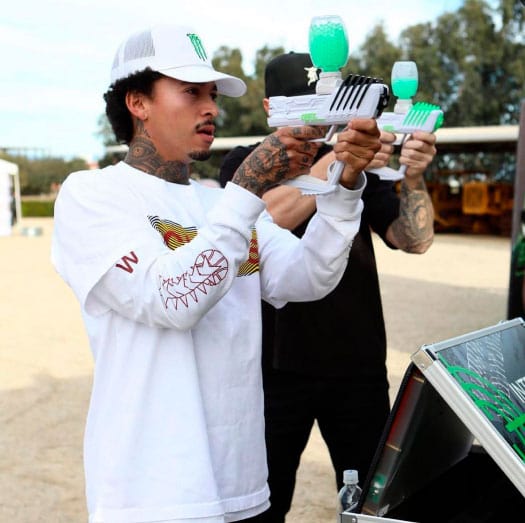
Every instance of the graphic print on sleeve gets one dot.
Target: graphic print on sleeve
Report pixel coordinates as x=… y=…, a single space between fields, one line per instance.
x=175 y=235
x=209 y=269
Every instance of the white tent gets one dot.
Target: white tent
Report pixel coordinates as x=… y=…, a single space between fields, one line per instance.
x=8 y=172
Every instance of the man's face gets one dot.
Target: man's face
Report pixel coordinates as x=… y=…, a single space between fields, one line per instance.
x=180 y=118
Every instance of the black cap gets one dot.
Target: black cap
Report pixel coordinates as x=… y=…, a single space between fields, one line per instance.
x=291 y=74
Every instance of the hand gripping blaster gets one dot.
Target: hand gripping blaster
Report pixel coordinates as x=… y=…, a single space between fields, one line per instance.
x=356 y=97
x=421 y=116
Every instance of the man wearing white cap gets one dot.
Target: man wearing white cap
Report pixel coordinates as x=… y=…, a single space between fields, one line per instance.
x=175 y=429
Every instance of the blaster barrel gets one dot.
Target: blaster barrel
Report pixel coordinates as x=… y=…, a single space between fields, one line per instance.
x=357 y=96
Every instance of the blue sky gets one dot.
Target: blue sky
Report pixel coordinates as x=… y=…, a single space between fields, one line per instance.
x=56 y=54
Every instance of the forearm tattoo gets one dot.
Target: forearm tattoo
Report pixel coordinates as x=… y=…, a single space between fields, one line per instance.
x=414 y=228
x=265 y=167
x=142 y=154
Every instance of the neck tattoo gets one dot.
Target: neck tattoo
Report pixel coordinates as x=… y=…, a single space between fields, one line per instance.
x=143 y=155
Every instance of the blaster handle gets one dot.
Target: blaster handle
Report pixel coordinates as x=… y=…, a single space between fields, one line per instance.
x=422 y=116
x=310 y=185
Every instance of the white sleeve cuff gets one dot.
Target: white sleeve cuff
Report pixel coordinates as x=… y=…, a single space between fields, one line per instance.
x=343 y=204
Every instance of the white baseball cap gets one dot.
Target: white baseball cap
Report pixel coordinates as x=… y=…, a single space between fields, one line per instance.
x=175 y=51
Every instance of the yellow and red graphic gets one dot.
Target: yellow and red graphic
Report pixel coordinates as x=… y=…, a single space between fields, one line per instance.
x=251 y=265
x=175 y=235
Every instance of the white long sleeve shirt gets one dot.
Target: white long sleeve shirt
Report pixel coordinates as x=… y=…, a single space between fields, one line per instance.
x=170 y=278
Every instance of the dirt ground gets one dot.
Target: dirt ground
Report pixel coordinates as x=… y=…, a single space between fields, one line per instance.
x=45 y=364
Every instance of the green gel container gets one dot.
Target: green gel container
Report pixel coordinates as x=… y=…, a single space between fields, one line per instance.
x=328 y=43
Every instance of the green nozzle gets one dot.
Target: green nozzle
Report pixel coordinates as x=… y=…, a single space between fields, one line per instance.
x=420 y=111
x=439 y=121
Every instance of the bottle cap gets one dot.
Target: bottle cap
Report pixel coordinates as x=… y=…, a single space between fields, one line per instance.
x=403 y=106
x=350 y=476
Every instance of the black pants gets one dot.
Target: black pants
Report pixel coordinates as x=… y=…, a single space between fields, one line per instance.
x=351 y=417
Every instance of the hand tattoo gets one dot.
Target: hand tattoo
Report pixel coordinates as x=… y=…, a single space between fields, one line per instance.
x=265 y=167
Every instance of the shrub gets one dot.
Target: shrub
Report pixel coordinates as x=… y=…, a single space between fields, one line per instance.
x=37 y=208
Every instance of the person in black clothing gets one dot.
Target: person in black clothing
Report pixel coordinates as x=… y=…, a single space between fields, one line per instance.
x=516 y=301
x=325 y=361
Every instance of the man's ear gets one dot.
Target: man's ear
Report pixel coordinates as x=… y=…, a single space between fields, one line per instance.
x=135 y=102
x=266 y=105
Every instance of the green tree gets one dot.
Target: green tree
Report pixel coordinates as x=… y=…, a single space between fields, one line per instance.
x=512 y=15
x=375 y=57
x=470 y=62
x=420 y=44
x=105 y=132
x=253 y=116
x=469 y=65
x=229 y=61
x=244 y=116
x=38 y=176
x=107 y=136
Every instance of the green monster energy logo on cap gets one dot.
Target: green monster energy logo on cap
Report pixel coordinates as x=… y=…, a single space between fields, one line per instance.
x=197 y=45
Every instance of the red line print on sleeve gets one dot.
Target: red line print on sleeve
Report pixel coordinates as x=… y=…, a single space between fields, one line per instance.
x=209 y=269
x=127 y=261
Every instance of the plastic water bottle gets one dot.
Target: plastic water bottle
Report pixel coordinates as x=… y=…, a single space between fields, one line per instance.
x=348 y=496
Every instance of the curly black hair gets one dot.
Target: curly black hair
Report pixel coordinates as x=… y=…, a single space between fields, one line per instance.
x=115 y=97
